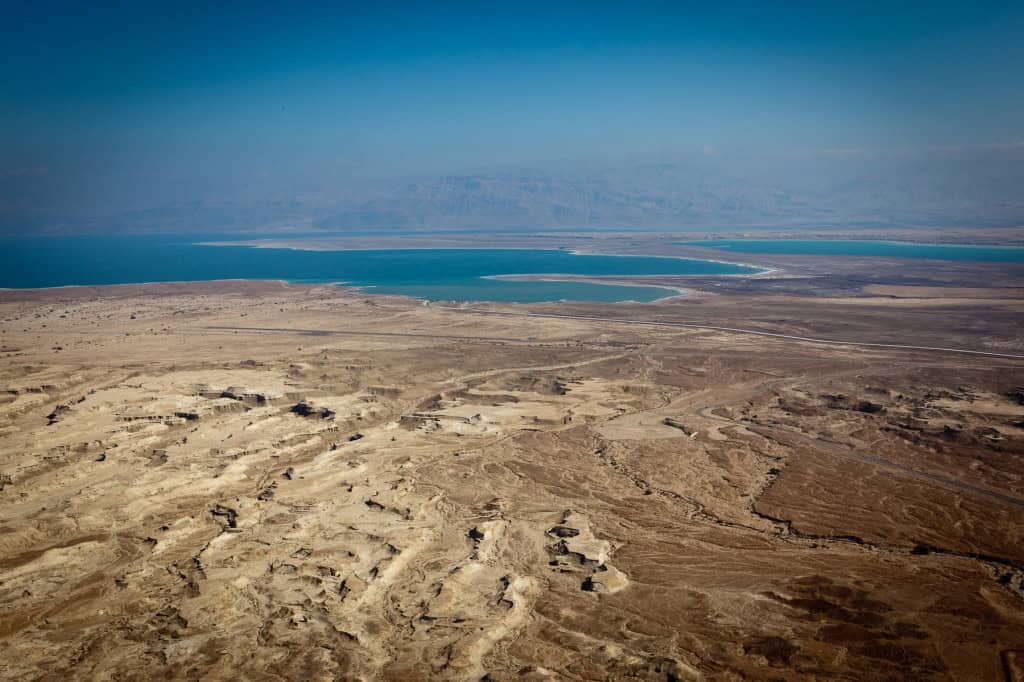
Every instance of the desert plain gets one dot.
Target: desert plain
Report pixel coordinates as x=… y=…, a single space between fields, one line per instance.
x=264 y=481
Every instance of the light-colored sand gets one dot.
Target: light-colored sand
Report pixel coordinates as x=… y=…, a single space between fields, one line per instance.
x=300 y=483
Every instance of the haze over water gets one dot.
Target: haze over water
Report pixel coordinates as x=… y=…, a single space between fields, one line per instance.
x=147 y=117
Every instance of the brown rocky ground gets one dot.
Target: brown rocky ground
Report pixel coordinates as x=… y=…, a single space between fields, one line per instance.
x=259 y=481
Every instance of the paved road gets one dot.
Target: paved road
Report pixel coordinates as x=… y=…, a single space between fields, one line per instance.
x=735 y=330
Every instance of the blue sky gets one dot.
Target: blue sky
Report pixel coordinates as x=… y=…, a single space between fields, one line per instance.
x=197 y=94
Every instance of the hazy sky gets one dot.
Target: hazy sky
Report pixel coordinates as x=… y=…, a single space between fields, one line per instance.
x=100 y=104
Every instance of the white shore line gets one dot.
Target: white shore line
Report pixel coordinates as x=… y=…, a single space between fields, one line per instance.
x=762 y=269
x=366 y=288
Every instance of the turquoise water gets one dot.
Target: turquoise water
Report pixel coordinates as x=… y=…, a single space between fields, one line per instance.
x=436 y=274
x=852 y=247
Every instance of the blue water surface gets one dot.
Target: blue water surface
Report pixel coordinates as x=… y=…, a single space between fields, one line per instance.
x=855 y=247
x=435 y=274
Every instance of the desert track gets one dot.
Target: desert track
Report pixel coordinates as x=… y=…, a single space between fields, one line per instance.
x=736 y=330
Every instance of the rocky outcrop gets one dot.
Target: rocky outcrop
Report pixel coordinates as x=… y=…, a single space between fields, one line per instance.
x=305 y=409
x=578 y=550
x=57 y=414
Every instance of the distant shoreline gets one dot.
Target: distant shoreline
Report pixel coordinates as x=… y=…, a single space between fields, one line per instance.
x=650 y=281
x=761 y=269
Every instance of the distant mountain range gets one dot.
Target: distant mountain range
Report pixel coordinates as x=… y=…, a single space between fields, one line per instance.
x=657 y=196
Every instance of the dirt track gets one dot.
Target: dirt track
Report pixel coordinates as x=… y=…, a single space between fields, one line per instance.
x=754 y=332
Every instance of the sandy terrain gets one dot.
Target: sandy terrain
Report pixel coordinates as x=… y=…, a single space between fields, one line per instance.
x=258 y=481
